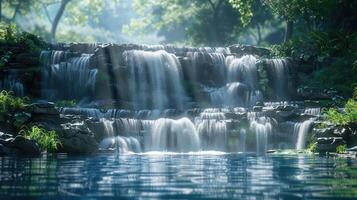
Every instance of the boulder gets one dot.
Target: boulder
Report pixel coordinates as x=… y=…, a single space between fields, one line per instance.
x=329 y=144
x=352 y=149
x=24 y=146
x=42 y=107
x=77 y=139
x=257 y=108
x=27 y=59
x=287 y=115
x=248 y=49
x=314 y=93
x=4 y=151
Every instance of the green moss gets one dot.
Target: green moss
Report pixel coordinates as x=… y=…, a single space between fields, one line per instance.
x=47 y=140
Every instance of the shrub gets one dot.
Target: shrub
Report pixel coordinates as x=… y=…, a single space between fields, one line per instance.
x=10 y=103
x=341 y=148
x=332 y=53
x=342 y=118
x=10 y=35
x=312 y=147
x=47 y=140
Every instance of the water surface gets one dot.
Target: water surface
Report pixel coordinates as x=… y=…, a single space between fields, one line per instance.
x=208 y=175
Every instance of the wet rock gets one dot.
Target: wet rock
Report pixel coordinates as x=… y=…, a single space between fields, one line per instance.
x=287 y=115
x=96 y=127
x=42 y=107
x=77 y=139
x=285 y=108
x=314 y=93
x=248 y=49
x=352 y=149
x=16 y=66
x=4 y=151
x=21 y=118
x=330 y=140
x=271 y=151
x=329 y=144
x=24 y=146
x=5 y=136
x=259 y=103
x=27 y=59
x=257 y=108
x=232 y=124
x=235 y=116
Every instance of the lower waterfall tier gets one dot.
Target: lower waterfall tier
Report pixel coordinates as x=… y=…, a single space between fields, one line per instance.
x=214 y=129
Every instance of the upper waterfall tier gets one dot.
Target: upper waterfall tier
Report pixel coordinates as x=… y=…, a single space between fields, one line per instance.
x=160 y=77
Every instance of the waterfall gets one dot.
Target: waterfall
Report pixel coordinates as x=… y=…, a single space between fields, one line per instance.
x=262 y=128
x=313 y=111
x=172 y=98
x=242 y=140
x=212 y=133
x=155 y=80
x=173 y=135
x=124 y=144
x=301 y=130
x=121 y=143
x=67 y=77
x=233 y=94
x=10 y=83
x=212 y=129
x=279 y=77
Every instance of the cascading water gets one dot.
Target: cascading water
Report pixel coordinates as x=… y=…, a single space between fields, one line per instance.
x=279 y=70
x=262 y=128
x=67 y=76
x=313 y=111
x=10 y=83
x=301 y=130
x=123 y=144
x=155 y=80
x=177 y=99
x=173 y=135
x=212 y=130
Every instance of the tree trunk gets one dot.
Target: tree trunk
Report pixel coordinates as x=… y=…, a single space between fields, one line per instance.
x=289 y=30
x=215 y=20
x=57 y=19
x=17 y=8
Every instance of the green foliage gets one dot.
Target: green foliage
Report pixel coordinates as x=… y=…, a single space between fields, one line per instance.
x=354 y=95
x=341 y=148
x=9 y=103
x=47 y=140
x=189 y=21
x=7 y=32
x=349 y=115
x=293 y=10
x=10 y=35
x=318 y=45
x=334 y=51
x=312 y=147
x=245 y=9
x=65 y=103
